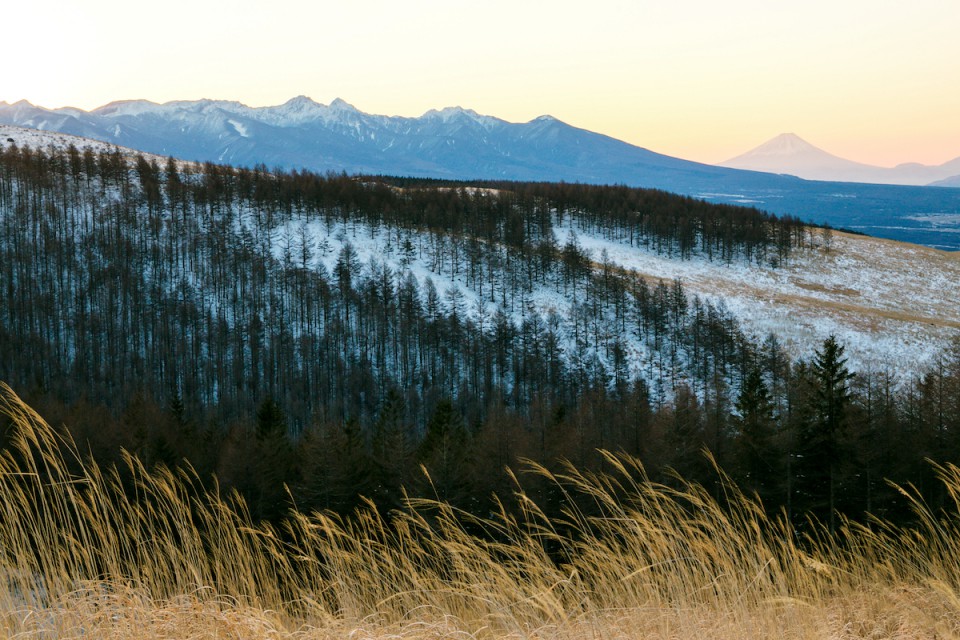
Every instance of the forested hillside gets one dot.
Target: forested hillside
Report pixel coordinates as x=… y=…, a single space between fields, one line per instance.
x=334 y=333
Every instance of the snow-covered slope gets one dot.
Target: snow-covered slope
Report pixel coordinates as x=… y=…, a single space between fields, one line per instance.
x=894 y=305
x=897 y=305
x=46 y=140
x=789 y=154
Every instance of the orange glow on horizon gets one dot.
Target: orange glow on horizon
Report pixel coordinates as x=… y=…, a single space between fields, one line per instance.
x=871 y=82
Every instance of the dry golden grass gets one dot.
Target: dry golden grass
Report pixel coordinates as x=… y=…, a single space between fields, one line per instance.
x=871 y=283
x=893 y=303
x=80 y=559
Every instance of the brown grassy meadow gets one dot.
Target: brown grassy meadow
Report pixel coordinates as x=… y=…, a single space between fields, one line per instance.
x=89 y=552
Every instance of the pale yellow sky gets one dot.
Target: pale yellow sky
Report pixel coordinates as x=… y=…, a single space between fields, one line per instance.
x=876 y=81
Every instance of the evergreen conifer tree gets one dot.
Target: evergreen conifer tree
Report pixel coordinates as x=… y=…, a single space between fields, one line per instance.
x=823 y=441
x=444 y=452
x=756 y=452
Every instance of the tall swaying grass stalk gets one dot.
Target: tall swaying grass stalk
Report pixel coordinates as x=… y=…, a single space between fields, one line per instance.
x=138 y=553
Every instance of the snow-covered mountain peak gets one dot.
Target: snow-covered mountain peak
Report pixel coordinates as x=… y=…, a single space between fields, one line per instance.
x=339 y=104
x=208 y=107
x=789 y=153
x=127 y=108
x=785 y=144
x=301 y=101
x=23 y=110
x=297 y=105
x=449 y=115
x=301 y=109
x=135 y=108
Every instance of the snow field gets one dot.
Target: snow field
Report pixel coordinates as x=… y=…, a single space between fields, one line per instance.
x=894 y=306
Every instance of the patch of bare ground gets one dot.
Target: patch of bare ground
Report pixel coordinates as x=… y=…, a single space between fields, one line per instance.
x=872 y=289
x=842 y=291
x=835 y=305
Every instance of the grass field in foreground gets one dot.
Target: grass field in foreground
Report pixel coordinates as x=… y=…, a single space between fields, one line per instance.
x=100 y=553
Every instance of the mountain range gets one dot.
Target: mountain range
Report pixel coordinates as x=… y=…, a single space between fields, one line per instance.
x=790 y=154
x=452 y=143
x=457 y=143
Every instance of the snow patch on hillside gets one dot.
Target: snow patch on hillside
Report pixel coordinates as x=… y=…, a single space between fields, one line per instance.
x=241 y=128
x=375 y=247
x=893 y=305
x=37 y=139
x=46 y=140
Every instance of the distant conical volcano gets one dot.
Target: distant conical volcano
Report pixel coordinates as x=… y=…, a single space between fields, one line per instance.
x=786 y=144
x=790 y=154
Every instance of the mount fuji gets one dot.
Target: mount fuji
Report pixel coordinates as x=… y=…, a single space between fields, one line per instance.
x=789 y=154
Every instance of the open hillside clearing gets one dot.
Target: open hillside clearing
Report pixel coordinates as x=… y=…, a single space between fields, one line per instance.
x=894 y=304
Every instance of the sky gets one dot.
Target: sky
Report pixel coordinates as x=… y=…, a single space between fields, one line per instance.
x=875 y=81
